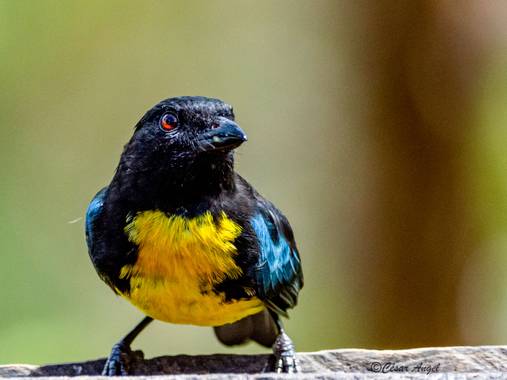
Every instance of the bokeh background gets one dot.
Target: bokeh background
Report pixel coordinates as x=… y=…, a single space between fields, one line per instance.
x=378 y=127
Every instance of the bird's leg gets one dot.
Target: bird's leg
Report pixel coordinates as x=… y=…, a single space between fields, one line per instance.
x=283 y=349
x=117 y=364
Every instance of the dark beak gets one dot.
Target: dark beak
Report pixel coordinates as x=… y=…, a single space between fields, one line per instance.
x=226 y=136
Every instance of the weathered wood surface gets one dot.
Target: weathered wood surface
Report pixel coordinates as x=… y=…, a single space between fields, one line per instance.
x=422 y=363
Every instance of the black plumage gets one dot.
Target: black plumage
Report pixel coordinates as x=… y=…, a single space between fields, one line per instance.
x=187 y=169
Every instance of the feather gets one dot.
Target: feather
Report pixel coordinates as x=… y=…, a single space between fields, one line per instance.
x=278 y=271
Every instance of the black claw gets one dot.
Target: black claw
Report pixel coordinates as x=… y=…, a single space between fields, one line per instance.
x=119 y=361
x=285 y=355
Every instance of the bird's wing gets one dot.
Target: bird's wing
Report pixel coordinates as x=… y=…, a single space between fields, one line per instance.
x=278 y=273
x=92 y=215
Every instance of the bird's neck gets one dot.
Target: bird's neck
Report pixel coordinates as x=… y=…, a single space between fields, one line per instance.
x=206 y=180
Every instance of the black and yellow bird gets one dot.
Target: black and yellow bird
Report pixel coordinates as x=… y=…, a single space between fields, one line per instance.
x=185 y=239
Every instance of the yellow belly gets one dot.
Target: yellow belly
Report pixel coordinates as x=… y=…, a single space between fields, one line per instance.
x=179 y=262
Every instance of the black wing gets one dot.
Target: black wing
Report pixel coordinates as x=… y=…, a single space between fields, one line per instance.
x=108 y=254
x=93 y=214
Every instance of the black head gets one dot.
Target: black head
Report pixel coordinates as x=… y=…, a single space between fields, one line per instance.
x=184 y=143
x=189 y=126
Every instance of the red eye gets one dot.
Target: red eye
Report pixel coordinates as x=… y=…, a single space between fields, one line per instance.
x=168 y=122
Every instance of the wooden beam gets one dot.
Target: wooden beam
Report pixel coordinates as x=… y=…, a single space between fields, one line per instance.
x=487 y=361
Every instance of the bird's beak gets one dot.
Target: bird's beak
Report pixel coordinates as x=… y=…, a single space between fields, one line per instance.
x=226 y=136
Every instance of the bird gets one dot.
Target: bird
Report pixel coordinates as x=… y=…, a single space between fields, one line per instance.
x=187 y=240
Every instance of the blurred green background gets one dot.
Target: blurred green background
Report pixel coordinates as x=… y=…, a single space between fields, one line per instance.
x=379 y=128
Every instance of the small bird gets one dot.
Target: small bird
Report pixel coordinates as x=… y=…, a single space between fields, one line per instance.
x=187 y=240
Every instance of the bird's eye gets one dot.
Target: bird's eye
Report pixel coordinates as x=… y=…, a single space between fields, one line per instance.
x=168 y=122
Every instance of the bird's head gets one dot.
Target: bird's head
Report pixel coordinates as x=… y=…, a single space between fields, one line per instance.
x=184 y=142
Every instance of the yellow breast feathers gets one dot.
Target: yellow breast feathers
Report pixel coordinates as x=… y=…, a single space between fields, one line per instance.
x=179 y=261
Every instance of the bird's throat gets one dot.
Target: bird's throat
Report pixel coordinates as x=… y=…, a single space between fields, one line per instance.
x=171 y=188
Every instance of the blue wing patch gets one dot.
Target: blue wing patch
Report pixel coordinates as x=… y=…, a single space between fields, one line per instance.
x=92 y=213
x=278 y=271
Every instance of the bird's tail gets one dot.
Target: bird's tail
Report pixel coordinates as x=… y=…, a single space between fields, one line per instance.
x=259 y=327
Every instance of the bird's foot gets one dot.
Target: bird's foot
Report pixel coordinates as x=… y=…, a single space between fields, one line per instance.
x=120 y=360
x=285 y=355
